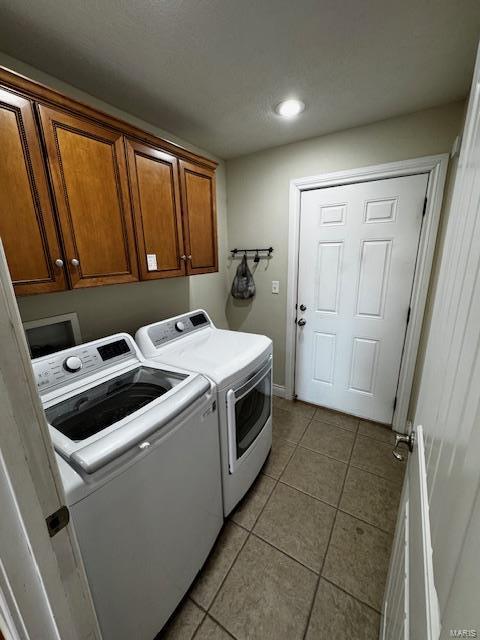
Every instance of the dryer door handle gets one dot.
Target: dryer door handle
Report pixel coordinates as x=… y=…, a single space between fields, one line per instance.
x=231 y=431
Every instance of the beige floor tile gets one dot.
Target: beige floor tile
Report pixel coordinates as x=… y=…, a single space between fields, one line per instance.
x=210 y=630
x=376 y=431
x=371 y=498
x=251 y=505
x=295 y=407
x=375 y=456
x=218 y=564
x=266 y=596
x=315 y=474
x=357 y=559
x=297 y=524
x=328 y=439
x=279 y=456
x=288 y=426
x=338 y=419
x=184 y=623
x=337 y=615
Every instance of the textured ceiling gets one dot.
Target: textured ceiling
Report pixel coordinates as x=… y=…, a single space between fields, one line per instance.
x=210 y=71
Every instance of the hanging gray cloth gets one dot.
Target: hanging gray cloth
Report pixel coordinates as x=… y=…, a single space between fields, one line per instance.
x=243 y=286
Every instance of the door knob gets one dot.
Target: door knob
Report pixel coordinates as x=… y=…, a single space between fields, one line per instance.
x=59 y=262
x=74 y=262
x=303 y=307
x=408 y=440
x=302 y=322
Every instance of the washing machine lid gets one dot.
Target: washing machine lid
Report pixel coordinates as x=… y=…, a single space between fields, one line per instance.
x=224 y=356
x=101 y=410
x=92 y=410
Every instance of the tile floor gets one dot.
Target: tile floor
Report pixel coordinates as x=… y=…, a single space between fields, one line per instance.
x=305 y=554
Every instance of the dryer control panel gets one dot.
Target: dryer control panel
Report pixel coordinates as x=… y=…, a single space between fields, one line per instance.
x=168 y=330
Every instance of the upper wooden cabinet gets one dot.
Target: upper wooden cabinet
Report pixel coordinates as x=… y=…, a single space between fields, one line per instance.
x=87 y=165
x=87 y=199
x=27 y=226
x=200 y=221
x=157 y=211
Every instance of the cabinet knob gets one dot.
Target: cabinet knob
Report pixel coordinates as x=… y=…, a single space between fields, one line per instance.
x=75 y=262
x=184 y=257
x=189 y=257
x=59 y=262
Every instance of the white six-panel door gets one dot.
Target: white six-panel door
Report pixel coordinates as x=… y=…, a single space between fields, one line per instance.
x=358 y=246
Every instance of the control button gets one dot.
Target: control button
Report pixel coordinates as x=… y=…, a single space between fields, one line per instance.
x=179 y=326
x=72 y=364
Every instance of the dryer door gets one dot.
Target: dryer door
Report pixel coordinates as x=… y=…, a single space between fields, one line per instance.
x=249 y=407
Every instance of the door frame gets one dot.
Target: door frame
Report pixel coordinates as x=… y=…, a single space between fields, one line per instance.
x=436 y=167
x=43 y=586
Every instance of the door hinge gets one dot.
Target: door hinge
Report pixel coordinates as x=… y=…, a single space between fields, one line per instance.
x=57 y=520
x=408 y=314
x=424 y=207
x=395 y=403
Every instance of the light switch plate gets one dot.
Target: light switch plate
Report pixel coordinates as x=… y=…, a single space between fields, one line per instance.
x=152 y=261
x=275 y=286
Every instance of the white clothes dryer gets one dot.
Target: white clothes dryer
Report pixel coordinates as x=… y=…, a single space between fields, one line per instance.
x=240 y=365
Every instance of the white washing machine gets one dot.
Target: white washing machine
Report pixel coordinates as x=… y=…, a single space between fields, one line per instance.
x=240 y=364
x=138 y=450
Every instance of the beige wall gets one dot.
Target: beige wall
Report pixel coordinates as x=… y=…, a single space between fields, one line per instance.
x=126 y=307
x=258 y=189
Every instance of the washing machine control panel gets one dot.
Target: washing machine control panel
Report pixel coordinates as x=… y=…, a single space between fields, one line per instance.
x=63 y=367
x=168 y=330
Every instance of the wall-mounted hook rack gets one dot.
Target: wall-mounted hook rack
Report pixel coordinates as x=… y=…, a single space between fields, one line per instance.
x=257 y=252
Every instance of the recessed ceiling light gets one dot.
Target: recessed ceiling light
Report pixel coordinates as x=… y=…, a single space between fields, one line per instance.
x=290 y=108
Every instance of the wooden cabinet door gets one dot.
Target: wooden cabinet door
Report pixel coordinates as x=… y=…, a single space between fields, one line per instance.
x=27 y=224
x=200 y=220
x=157 y=211
x=89 y=176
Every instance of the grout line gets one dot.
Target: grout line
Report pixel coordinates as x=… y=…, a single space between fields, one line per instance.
x=310 y=495
x=215 y=621
x=393 y=482
x=199 y=624
x=285 y=553
x=378 y=475
x=351 y=595
x=327 y=455
x=250 y=532
x=328 y=543
x=336 y=426
x=370 y=524
x=367 y=435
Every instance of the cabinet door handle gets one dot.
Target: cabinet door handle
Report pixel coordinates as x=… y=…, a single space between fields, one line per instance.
x=59 y=263
x=75 y=262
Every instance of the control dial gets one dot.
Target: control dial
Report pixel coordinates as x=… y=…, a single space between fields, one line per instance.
x=72 y=364
x=180 y=326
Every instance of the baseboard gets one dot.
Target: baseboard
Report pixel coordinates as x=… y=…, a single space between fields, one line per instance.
x=279 y=390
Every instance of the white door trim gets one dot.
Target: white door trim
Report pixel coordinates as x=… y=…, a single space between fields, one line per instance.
x=436 y=167
x=42 y=579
